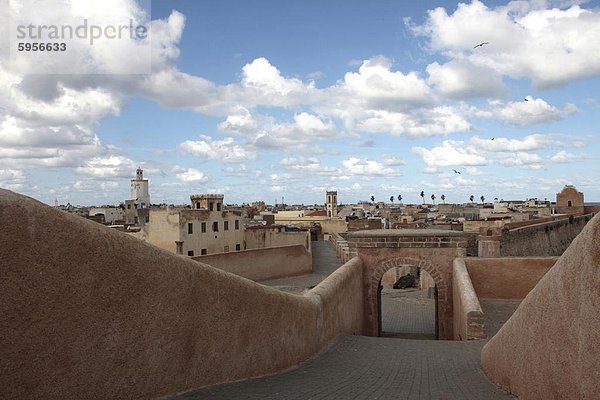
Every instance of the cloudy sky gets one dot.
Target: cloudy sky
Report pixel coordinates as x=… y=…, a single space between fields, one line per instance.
x=267 y=99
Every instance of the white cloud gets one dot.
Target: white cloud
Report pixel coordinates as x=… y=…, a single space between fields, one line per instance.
x=191 y=175
x=310 y=165
x=522 y=159
x=450 y=153
x=226 y=150
x=526 y=112
x=566 y=157
x=12 y=179
x=460 y=79
x=528 y=143
x=357 y=166
x=522 y=36
x=392 y=160
x=107 y=167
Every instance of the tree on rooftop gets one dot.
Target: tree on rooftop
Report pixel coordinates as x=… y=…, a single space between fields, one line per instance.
x=482 y=199
x=433 y=199
x=373 y=199
x=443 y=197
x=423 y=196
x=392 y=199
x=399 y=198
x=471 y=197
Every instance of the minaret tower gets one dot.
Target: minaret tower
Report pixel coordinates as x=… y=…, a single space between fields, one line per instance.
x=139 y=190
x=331 y=203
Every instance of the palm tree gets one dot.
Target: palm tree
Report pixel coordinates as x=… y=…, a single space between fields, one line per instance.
x=443 y=197
x=423 y=196
x=399 y=198
x=392 y=199
x=482 y=199
x=433 y=199
x=471 y=197
x=496 y=199
x=372 y=199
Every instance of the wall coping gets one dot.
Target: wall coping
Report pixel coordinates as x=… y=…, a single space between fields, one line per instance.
x=405 y=232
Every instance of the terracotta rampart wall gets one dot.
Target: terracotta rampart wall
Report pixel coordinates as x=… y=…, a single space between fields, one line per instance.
x=550 y=347
x=87 y=312
x=468 y=316
x=544 y=239
x=506 y=278
x=262 y=264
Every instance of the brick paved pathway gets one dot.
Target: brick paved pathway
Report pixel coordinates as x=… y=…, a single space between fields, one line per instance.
x=359 y=367
x=325 y=261
x=407 y=313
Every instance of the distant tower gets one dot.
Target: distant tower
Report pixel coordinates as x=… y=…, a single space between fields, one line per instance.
x=210 y=202
x=331 y=203
x=139 y=190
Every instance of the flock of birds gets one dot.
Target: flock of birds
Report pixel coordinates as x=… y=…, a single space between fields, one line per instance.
x=525 y=99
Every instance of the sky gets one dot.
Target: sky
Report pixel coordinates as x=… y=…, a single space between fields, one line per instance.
x=270 y=100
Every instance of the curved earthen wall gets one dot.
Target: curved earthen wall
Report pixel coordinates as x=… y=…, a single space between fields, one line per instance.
x=87 y=312
x=550 y=347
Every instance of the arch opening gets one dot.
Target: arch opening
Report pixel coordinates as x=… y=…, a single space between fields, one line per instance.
x=411 y=312
x=407 y=304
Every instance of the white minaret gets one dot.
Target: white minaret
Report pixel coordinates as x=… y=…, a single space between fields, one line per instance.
x=139 y=190
x=331 y=203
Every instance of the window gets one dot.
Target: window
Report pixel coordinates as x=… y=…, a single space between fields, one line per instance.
x=216 y=226
x=211 y=206
x=203 y=252
x=237 y=224
x=225 y=249
x=136 y=220
x=570 y=204
x=148 y=218
x=191 y=253
x=129 y=206
x=218 y=206
x=203 y=227
x=226 y=225
x=237 y=247
x=190 y=228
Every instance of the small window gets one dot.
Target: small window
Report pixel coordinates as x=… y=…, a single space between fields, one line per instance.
x=148 y=218
x=237 y=224
x=191 y=253
x=203 y=252
x=129 y=206
x=190 y=228
x=570 y=204
x=218 y=206
x=238 y=247
x=203 y=227
x=211 y=206
x=216 y=226
x=136 y=220
x=225 y=249
x=226 y=225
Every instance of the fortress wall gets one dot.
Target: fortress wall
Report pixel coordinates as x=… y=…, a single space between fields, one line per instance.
x=468 y=316
x=341 y=298
x=262 y=264
x=544 y=239
x=89 y=312
x=506 y=278
x=550 y=347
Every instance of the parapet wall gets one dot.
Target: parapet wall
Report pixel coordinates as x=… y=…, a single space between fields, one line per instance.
x=468 y=316
x=93 y=313
x=506 y=278
x=545 y=239
x=262 y=264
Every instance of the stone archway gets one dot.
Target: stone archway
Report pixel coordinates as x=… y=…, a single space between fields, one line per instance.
x=373 y=292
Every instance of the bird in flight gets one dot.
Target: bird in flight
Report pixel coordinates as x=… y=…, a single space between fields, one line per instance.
x=525 y=99
x=493 y=138
x=456 y=172
x=481 y=44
